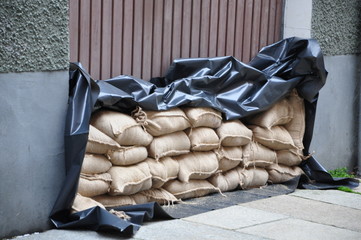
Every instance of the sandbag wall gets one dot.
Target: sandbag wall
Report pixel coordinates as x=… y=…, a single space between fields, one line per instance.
x=181 y=153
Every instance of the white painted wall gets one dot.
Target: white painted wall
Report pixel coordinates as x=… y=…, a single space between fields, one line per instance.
x=297 y=18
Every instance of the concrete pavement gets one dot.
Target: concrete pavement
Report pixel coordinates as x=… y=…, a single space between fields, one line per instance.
x=303 y=214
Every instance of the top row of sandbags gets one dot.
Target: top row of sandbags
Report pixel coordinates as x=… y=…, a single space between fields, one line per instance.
x=121 y=127
x=288 y=113
x=285 y=119
x=128 y=131
x=159 y=123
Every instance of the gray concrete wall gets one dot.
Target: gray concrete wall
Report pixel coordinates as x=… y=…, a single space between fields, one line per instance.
x=34 y=92
x=335 y=134
x=32 y=119
x=336 y=25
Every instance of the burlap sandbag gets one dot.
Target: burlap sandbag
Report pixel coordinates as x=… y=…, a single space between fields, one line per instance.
x=114 y=201
x=234 y=134
x=257 y=155
x=280 y=173
x=296 y=127
x=99 y=142
x=289 y=157
x=160 y=196
x=279 y=114
x=226 y=181
x=128 y=155
x=82 y=203
x=130 y=179
x=163 y=170
x=203 y=117
x=172 y=144
x=202 y=138
x=95 y=163
x=229 y=157
x=192 y=189
x=196 y=165
x=140 y=198
x=276 y=138
x=164 y=122
x=121 y=127
x=252 y=177
x=91 y=185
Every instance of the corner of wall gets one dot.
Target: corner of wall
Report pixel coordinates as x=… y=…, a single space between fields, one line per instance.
x=297 y=18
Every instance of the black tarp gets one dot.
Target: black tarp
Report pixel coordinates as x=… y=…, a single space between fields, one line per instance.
x=223 y=83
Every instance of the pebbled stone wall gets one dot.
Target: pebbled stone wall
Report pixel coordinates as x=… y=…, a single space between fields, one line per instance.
x=34 y=35
x=337 y=26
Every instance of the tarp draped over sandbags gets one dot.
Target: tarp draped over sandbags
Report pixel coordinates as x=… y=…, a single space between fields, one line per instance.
x=224 y=84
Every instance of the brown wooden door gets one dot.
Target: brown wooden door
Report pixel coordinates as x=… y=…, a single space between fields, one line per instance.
x=142 y=37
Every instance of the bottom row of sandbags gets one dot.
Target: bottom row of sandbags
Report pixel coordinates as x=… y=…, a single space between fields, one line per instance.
x=174 y=191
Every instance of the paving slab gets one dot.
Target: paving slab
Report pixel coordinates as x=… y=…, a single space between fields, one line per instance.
x=190 y=207
x=218 y=201
x=310 y=210
x=337 y=197
x=297 y=229
x=186 y=209
x=235 y=217
x=304 y=214
x=56 y=234
x=180 y=230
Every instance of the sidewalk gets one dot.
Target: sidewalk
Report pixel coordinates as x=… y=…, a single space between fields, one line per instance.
x=303 y=214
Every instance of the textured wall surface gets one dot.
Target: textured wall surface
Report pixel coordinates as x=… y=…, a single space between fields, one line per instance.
x=33 y=35
x=337 y=26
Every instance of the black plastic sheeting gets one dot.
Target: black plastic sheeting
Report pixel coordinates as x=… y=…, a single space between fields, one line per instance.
x=223 y=83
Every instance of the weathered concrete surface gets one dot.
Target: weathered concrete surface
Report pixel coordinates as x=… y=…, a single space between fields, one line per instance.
x=33 y=108
x=70 y=235
x=331 y=196
x=297 y=229
x=313 y=211
x=302 y=215
x=180 y=230
x=240 y=217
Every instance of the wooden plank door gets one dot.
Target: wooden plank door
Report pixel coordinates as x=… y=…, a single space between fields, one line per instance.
x=142 y=37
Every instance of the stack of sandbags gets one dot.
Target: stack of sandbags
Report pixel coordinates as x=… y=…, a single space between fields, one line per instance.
x=133 y=171
x=183 y=140
x=278 y=135
x=115 y=171
x=94 y=177
x=182 y=153
x=233 y=135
